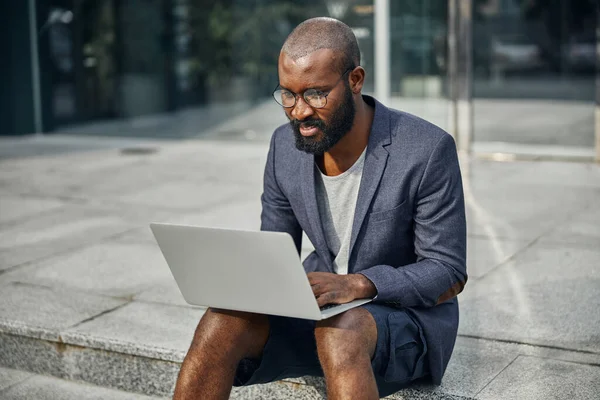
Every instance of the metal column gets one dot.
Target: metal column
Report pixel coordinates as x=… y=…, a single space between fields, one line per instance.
x=35 y=67
x=460 y=76
x=464 y=101
x=597 y=108
x=452 y=68
x=382 y=51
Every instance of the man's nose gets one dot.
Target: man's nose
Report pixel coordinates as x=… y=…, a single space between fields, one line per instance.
x=301 y=109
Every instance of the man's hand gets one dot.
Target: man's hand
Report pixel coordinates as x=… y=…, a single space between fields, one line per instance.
x=339 y=289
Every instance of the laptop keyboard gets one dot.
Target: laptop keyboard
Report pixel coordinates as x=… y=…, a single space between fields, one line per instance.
x=328 y=306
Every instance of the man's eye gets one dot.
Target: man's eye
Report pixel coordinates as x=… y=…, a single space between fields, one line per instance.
x=314 y=94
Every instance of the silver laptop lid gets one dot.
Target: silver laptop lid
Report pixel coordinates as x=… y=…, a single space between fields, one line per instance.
x=237 y=270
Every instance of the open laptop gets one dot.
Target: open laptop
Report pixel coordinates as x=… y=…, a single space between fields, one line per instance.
x=250 y=271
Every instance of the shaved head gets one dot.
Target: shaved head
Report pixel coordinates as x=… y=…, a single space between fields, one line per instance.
x=324 y=33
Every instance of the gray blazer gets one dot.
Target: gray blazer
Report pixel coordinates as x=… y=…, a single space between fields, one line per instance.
x=409 y=229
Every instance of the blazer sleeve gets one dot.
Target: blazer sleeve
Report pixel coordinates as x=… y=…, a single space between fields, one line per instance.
x=277 y=214
x=440 y=242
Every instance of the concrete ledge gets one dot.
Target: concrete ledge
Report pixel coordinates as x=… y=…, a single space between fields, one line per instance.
x=137 y=346
x=149 y=376
x=501 y=151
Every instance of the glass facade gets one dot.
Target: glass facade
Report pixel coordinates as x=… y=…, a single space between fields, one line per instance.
x=179 y=68
x=534 y=71
x=164 y=68
x=188 y=68
x=174 y=68
x=418 y=30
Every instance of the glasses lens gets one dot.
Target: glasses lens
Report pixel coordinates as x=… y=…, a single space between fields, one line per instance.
x=284 y=97
x=315 y=98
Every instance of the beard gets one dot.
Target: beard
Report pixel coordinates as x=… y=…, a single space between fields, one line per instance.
x=341 y=122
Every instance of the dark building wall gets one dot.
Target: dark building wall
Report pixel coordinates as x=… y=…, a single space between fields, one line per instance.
x=16 y=96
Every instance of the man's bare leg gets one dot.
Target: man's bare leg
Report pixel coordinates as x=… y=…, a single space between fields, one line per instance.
x=222 y=339
x=345 y=344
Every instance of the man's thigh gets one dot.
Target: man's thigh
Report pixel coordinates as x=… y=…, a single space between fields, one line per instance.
x=291 y=351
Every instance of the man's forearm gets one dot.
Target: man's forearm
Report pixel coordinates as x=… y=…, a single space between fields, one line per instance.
x=421 y=284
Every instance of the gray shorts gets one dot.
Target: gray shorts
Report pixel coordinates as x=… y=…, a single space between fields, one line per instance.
x=290 y=351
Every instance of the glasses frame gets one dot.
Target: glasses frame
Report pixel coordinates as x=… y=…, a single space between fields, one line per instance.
x=303 y=94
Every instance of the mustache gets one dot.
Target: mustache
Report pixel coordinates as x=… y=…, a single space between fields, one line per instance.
x=307 y=123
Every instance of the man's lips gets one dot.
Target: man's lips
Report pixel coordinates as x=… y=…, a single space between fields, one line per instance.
x=308 y=131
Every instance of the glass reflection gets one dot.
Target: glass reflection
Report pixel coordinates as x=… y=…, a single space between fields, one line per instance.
x=418 y=30
x=534 y=65
x=167 y=68
x=186 y=68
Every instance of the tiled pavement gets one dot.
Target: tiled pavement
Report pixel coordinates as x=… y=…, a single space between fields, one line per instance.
x=86 y=296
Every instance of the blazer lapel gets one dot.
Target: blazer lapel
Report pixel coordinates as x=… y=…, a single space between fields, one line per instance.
x=375 y=162
x=312 y=209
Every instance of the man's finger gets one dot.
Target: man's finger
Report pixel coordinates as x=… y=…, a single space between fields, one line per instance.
x=321 y=301
x=320 y=288
x=326 y=298
x=317 y=289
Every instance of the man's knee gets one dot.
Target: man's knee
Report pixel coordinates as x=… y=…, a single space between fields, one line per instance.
x=347 y=336
x=225 y=331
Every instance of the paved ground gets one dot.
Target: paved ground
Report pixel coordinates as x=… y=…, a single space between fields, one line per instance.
x=85 y=294
x=516 y=121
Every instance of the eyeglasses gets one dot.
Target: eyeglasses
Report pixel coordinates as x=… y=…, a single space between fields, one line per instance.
x=313 y=97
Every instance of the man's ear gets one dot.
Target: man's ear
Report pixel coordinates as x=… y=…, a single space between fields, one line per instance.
x=357 y=79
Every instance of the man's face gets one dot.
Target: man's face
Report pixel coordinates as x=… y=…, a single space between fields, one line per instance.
x=317 y=130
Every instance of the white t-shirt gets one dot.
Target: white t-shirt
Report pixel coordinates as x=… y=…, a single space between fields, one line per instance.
x=336 y=199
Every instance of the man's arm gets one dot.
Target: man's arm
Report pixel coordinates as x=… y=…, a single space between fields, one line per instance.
x=277 y=214
x=440 y=239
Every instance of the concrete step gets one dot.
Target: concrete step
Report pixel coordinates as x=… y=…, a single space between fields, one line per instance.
x=124 y=344
x=136 y=346
x=19 y=385
x=134 y=371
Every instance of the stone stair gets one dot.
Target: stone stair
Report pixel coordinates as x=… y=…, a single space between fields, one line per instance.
x=118 y=347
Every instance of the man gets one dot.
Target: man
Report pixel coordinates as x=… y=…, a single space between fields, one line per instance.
x=379 y=194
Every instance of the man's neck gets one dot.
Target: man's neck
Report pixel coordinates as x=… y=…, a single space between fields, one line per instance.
x=345 y=153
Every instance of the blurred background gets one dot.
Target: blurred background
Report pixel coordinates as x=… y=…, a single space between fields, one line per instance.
x=176 y=68
x=118 y=113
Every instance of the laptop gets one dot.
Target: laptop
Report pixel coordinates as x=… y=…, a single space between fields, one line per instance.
x=251 y=271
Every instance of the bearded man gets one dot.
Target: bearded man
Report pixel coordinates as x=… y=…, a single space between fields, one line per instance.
x=379 y=194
